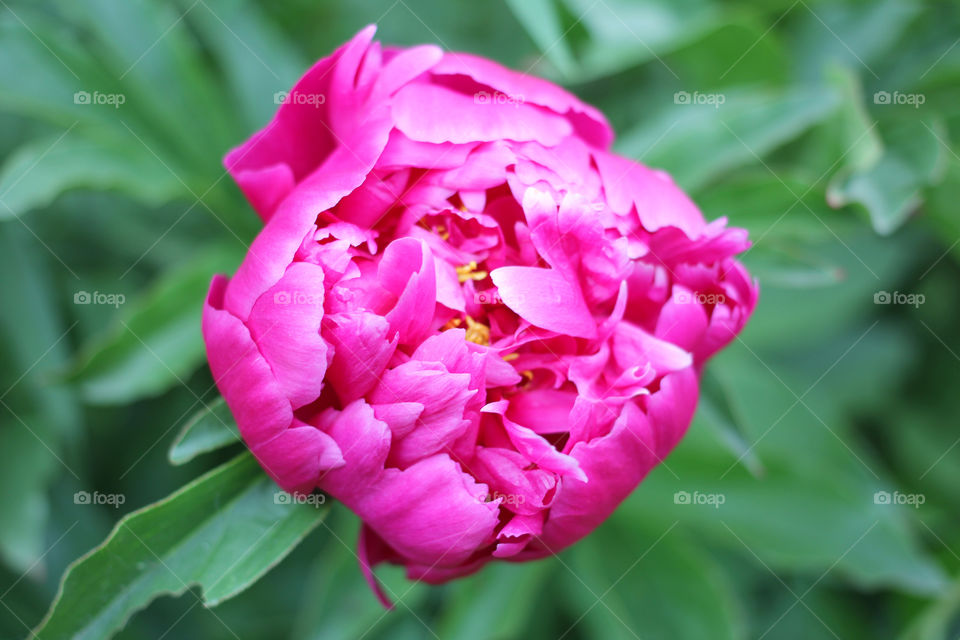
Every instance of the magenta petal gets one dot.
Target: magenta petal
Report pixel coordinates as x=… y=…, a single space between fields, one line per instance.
x=432 y=113
x=546 y=299
x=364 y=442
x=407 y=272
x=244 y=378
x=543 y=410
x=589 y=122
x=285 y=323
x=658 y=200
x=361 y=351
x=671 y=409
x=633 y=346
x=682 y=320
x=297 y=456
x=431 y=512
x=534 y=447
x=516 y=487
x=614 y=464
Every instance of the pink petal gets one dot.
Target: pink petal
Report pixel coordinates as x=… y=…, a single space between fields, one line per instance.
x=432 y=113
x=431 y=512
x=296 y=457
x=243 y=376
x=590 y=124
x=546 y=299
x=285 y=324
x=361 y=351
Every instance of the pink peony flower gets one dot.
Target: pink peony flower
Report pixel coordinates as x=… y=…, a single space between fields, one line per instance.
x=465 y=318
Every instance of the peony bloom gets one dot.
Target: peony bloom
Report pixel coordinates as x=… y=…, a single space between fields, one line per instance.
x=465 y=318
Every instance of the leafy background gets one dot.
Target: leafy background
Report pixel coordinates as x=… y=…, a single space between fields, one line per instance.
x=826 y=399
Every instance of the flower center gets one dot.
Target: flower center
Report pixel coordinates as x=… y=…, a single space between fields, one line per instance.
x=469 y=272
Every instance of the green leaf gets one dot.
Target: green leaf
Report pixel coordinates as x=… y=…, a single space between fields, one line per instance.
x=222 y=532
x=813 y=510
x=624 y=33
x=256 y=58
x=542 y=20
x=938 y=619
x=209 y=429
x=42 y=68
x=507 y=589
x=37 y=418
x=633 y=590
x=889 y=187
x=38 y=172
x=158 y=341
x=148 y=47
x=697 y=142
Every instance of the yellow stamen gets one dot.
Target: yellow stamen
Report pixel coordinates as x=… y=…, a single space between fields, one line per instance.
x=452 y=323
x=477 y=332
x=469 y=272
x=510 y=357
x=440 y=230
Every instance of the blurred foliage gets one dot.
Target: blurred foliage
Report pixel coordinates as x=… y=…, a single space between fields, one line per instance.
x=828 y=129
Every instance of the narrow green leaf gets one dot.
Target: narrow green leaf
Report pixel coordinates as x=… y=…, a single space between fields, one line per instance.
x=36 y=417
x=157 y=342
x=542 y=21
x=256 y=58
x=740 y=131
x=938 y=619
x=209 y=429
x=508 y=589
x=625 y=581
x=889 y=188
x=624 y=33
x=222 y=532
x=41 y=170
